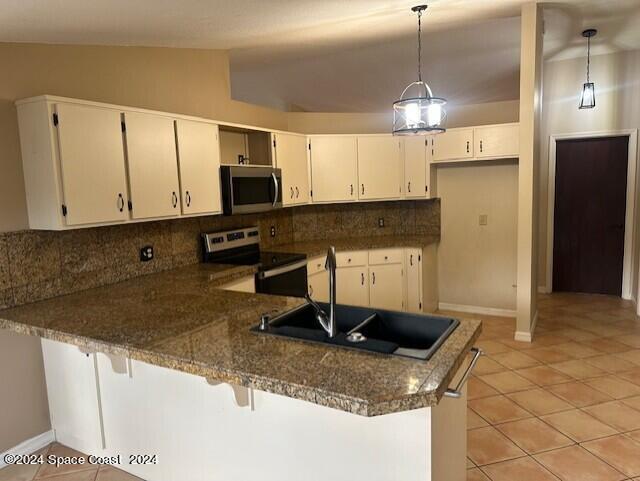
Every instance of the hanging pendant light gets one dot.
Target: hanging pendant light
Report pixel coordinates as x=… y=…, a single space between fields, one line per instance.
x=588 y=98
x=418 y=111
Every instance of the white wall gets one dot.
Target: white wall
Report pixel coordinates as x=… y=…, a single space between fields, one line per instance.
x=617 y=80
x=477 y=264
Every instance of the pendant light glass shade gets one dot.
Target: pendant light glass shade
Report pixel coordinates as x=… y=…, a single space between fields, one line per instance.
x=588 y=97
x=418 y=111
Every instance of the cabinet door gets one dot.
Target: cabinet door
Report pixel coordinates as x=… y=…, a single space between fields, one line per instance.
x=497 y=141
x=352 y=286
x=334 y=168
x=92 y=164
x=416 y=179
x=291 y=157
x=199 y=163
x=454 y=144
x=379 y=167
x=153 y=166
x=413 y=263
x=319 y=286
x=386 y=287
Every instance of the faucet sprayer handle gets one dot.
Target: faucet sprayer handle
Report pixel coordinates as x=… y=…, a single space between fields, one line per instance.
x=331 y=262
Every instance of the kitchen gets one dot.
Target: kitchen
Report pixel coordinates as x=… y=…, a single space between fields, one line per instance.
x=161 y=316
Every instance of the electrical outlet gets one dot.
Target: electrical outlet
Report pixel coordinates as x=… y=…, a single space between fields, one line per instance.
x=484 y=219
x=146 y=253
x=273 y=231
x=380 y=221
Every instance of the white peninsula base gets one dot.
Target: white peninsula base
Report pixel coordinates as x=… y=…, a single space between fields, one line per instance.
x=200 y=431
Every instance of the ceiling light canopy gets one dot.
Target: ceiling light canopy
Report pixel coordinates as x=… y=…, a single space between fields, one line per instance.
x=588 y=97
x=418 y=111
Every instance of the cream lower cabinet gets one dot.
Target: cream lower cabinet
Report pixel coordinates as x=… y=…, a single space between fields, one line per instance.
x=454 y=144
x=386 y=287
x=290 y=152
x=497 y=141
x=152 y=165
x=199 y=164
x=416 y=167
x=334 y=168
x=352 y=286
x=379 y=167
x=413 y=263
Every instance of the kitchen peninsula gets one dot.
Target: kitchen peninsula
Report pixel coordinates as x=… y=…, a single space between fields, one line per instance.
x=172 y=353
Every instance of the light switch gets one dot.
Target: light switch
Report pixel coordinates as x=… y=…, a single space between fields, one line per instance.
x=483 y=219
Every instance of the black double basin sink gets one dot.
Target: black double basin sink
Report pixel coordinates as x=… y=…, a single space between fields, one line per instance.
x=417 y=336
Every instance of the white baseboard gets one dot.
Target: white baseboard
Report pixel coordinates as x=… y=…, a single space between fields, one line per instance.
x=29 y=446
x=490 y=311
x=524 y=336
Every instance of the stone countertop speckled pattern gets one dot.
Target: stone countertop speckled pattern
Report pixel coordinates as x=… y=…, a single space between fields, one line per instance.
x=180 y=319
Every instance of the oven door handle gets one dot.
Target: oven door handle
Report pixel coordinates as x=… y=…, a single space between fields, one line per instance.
x=282 y=270
x=277 y=188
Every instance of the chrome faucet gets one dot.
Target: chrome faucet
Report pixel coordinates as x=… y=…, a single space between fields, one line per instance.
x=328 y=321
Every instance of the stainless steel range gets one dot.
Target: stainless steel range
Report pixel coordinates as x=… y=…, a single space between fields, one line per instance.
x=278 y=273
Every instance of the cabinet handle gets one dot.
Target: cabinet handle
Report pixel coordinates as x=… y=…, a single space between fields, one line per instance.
x=310 y=290
x=174 y=199
x=297 y=192
x=120 y=203
x=351 y=185
x=362 y=189
x=373 y=277
x=362 y=276
x=411 y=260
x=409 y=186
x=188 y=198
x=467 y=146
x=481 y=146
x=348 y=260
x=291 y=192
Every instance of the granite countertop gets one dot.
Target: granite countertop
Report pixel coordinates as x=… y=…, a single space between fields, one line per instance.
x=180 y=319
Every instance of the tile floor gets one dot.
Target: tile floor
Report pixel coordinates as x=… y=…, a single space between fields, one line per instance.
x=565 y=407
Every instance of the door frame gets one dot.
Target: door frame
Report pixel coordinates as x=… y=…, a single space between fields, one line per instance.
x=631 y=203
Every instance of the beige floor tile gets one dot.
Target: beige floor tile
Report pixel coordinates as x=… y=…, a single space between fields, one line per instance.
x=543 y=375
x=470 y=464
x=534 y=436
x=577 y=464
x=631 y=356
x=633 y=402
x=619 y=451
x=632 y=340
x=521 y=469
x=539 y=401
x=515 y=360
x=578 y=335
x=577 y=369
x=617 y=415
x=517 y=345
x=507 y=381
x=109 y=473
x=476 y=475
x=548 y=355
x=478 y=389
x=18 y=472
x=635 y=435
x=475 y=421
x=608 y=346
x=610 y=363
x=63 y=451
x=631 y=376
x=86 y=475
x=486 y=365
x=550 y=339
x=493 y=347
x=498 y=409
x=576 y=350
x=579 y=394
x=488 y=445
x=578 y=425
x=614 y=386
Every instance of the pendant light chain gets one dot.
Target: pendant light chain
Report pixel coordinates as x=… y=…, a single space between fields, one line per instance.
x=420 y=45
x=588 y=56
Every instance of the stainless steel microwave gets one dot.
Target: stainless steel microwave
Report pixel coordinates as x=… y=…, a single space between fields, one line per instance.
x=248 y=189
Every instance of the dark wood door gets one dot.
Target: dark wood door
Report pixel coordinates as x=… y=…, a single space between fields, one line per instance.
x=589 y=215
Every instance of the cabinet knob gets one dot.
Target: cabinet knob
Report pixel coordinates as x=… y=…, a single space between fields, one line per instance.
x=349 y=260
x=373 y=277
x=351 y=186
x=291 y=192
x=467 y=146
x=362 y=276
x=408 y=186
x=411 y=260
x=297 y=192
x=120 y=203
x=481 y=146
x=188 y=198
x=362 y=189
x=174 y=200
x=386 y=258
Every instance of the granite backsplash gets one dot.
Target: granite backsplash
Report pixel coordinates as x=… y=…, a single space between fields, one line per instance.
x=36 y=265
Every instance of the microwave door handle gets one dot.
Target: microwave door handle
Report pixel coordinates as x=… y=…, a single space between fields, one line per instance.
x=277 y=188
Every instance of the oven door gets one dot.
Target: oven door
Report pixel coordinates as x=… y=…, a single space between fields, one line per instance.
x=288 y=280
x=250 y=189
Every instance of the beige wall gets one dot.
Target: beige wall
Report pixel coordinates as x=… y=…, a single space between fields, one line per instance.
x=373 y=123
x=617 y=80
x=477 y=263
x=530 y=117
x=194 y=82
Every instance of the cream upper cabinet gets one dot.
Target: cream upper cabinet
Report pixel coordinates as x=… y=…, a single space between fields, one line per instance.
x=379 y=167
x=334 y=168
x=92 y=164
x=413 y=263
x=352 y=286
x=454 y=144
x=416 y=167
x=495 y=141
x=386 y=291
x=153 y=166
x=199 y=164
x=291 y=156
